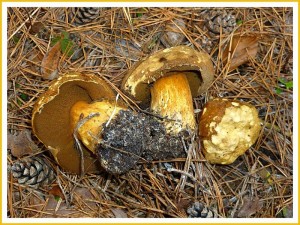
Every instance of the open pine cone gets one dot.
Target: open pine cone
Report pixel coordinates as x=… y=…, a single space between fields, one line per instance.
x=199 y=210
x=34 y=172
x=220 y=19
x=83 y=15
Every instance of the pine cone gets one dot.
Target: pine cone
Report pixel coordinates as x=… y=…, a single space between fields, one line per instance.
x=216 y=19
x=199 y=210
x=34 y=172
x=173 y=35
x=83 y=15
x=206 y=43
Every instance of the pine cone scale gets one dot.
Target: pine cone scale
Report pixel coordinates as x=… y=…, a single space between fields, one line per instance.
x=33 y=172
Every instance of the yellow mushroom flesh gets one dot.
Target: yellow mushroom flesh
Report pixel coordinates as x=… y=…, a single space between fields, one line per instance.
x=171 y=98
x=89 y=131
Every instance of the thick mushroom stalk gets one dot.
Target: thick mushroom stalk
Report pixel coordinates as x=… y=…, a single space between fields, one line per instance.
x=167 y=81
x=171 y=98
x=113 y=133
x=89 y=131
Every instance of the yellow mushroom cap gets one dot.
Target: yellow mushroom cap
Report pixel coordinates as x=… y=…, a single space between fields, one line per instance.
x=227 y=128
x=51 y=117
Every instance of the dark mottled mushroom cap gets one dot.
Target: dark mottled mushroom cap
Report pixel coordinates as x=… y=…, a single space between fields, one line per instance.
x=51 y=117
x=195 y=64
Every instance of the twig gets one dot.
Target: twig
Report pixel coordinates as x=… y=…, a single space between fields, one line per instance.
x=78 y=146
x=114 y=111
x=16 y=31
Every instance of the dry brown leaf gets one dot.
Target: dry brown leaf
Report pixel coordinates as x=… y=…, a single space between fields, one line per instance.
x=58 y=208
x=49 y=65
x=34 y=61
x=36 y=27
x=250 y=207
x=56 y=192
x=183 y=204
x=118 y=213
x=266 y=176
x=36 y=204
x=9 y=85
x=21 y=144
x=241 y=49
x=85 y=197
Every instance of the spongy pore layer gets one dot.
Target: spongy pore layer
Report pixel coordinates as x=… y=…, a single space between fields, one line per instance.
x=233 y=135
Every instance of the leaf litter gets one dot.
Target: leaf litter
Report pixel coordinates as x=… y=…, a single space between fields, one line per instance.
x=21 y=144
x=258 y=67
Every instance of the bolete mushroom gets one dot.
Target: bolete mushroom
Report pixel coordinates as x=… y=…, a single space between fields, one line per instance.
x=51 y=118
x=227 y=128
x=90 y=130
x=113 y=133
x=167 y=81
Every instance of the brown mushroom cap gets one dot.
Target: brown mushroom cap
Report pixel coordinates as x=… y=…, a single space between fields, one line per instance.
x=227 y=128
x=51 y=117
x=195 y=64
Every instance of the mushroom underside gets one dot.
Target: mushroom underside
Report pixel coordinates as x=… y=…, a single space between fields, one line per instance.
x=51 y=122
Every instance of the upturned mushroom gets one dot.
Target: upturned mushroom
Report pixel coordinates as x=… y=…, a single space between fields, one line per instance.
x=51 y=118
x=227 y=129
x=167 y=81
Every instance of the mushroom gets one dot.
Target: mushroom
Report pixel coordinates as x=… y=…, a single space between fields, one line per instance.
x=228 y=128
x=79 y=115
x=51 y=118
x=113 y=133
x=90 y=130
x=167 y=81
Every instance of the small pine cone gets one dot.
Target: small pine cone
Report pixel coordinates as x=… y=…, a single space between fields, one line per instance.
x=206 y=43
x=173 y=35
x=83 y=15
x=199 y=210
x=217 y=19
x=34 y=172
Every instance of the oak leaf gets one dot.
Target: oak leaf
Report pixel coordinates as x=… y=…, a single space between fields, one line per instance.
x=21 y=144
x=239 y=51
x=49 y=65
x=250 y=207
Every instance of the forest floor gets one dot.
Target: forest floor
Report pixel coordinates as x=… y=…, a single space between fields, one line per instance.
x=258 y=184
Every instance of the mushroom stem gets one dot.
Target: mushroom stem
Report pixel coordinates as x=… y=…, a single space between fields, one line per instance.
x=116 y=135
x=88 y=133
x=171 y=97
